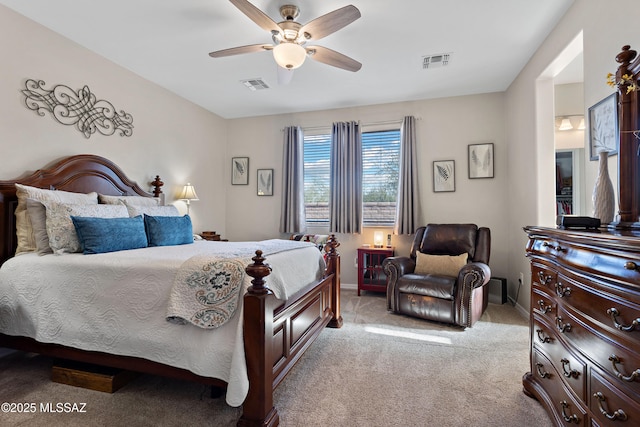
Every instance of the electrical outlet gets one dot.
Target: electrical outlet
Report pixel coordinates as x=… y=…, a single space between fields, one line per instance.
x=521 y=278
x=355 y=262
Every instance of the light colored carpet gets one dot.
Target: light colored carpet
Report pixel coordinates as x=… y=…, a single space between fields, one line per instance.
x=379 y=369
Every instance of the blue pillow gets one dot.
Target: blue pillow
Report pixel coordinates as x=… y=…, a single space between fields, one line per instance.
x=100 y=235
x=168 y=230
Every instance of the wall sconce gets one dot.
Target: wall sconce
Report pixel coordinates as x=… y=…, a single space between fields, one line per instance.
x=565 y=125
x=188 y=194
x=567 y=122
x=377 y=239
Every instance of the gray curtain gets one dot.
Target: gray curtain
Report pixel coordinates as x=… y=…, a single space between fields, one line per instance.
x=345 y=215
x=292 y=212
x=408 y=196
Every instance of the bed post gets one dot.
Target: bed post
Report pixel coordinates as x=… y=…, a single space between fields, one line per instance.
x=258 y=409
x=333 y=267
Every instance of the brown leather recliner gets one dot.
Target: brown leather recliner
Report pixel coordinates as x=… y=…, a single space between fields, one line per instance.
x=459 y=300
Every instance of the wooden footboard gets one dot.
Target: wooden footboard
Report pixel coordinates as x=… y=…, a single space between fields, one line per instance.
x=276 y=334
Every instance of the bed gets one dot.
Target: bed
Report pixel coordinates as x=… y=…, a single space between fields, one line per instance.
x=273 y=333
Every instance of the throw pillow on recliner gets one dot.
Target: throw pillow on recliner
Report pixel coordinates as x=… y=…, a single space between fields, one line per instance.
x=443 y=265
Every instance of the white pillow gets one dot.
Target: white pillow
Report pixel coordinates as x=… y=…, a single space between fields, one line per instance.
x=24 y=229
x=60 y=229
x=132 y=200
x=38 y=216
x=168 y=210
x=442 y=265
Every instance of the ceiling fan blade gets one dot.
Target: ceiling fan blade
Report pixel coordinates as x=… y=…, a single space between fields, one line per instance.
x=256 y=15
x=284 y=75
x=240 y=50
x=330 y=23
x=333 y=58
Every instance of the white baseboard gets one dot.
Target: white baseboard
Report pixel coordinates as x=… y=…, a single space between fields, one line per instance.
x=523 y=311
x=350 y=286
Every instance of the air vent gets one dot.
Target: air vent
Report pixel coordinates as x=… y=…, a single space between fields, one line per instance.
x=436 y=61
x=255 y=84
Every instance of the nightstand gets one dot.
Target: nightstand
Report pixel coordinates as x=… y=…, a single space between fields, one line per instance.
x=213 y=236
x=371 y=276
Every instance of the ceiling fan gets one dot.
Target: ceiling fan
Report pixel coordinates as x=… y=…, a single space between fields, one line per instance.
x=290 y=38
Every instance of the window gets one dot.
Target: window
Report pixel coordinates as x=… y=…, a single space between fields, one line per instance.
x=380 y=165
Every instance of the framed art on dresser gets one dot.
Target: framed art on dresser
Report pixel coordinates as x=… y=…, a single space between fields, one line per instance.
x=603 y=127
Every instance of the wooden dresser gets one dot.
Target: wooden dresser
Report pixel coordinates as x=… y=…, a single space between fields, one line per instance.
x=585 y=326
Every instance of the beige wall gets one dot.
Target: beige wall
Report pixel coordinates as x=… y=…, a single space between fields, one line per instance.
x=171 y=137
x=529 y=109
x=444 y=130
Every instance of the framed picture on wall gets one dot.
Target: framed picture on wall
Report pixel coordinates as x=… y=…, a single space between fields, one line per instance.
x=480 y=160
x=265 y=182
x=603 y=127
x=240 y=171
x=444 y=176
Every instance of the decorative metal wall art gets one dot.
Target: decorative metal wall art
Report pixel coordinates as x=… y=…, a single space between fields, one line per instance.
x=80 y=108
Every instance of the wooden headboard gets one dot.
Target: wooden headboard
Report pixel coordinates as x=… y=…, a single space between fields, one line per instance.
x=80 y=174
x=628 y=159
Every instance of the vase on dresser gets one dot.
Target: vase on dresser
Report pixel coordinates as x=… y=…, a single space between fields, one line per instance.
x=603 y=195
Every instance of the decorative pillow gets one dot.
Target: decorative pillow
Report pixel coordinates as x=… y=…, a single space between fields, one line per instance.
x=100 y=235
x=131 y=200
x=60 y=229
x=38 y=216
x=24 y=230
x=168 y=210
x=443 y=265
x=168 y=230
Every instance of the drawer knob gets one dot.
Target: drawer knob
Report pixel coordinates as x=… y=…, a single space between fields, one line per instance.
x=541 y=372
x=562 y=291
x=562 y=327
x=630 y=265
x=617 y=415
x=571 y=373
x=541 y=337
x=614 y=361
x=568 y=418
x=614 y=313
x=544 y=308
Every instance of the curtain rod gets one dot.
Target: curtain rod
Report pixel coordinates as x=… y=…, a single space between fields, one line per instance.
x=386 y=122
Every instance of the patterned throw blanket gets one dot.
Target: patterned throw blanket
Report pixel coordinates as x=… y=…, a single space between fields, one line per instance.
x=206 y=289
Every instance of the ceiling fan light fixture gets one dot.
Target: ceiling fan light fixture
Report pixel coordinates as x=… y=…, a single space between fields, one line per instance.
x=289 y=55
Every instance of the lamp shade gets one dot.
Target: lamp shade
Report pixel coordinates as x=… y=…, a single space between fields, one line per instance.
x=289 y=55
x=565 y=124
x=581 y=124
x=188 y=193
x=377 y=239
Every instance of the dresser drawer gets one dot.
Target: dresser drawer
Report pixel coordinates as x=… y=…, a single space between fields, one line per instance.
x=565 y=407
x=609 y=263
x=568 y=366
x=610 y=406
x=619 y=316
x=543 y=303
x=542 y=275
x=620 y=360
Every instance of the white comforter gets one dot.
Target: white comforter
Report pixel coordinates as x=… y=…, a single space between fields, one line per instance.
x=117 y=303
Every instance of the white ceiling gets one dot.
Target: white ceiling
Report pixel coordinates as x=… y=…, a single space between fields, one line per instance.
x=168 y=41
